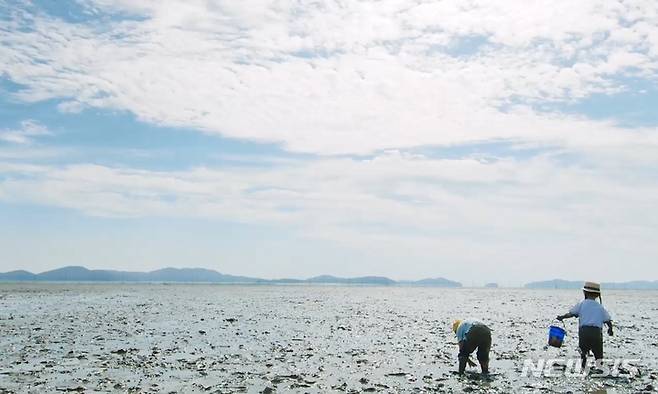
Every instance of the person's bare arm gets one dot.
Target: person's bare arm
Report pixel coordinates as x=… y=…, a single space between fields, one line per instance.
x=566 y=316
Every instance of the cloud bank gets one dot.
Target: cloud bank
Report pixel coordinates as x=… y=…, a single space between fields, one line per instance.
x=368 y=92
x=503 y=212
x=342 y=77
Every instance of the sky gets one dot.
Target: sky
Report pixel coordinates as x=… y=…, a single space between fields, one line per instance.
x=482 y=141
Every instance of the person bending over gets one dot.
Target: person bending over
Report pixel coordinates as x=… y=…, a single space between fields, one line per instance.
x=472 y=335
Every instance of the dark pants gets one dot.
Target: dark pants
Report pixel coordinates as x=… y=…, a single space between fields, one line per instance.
x=590 y=338
x=478 y=337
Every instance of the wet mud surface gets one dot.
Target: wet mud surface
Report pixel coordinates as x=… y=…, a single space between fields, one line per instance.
x=252 y=339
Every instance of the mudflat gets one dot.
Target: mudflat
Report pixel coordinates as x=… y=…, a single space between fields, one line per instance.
x=229 y=338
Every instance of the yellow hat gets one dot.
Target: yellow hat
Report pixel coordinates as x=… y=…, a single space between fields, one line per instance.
x=455 y=325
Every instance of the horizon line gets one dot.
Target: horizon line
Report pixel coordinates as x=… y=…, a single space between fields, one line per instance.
x=487 y=284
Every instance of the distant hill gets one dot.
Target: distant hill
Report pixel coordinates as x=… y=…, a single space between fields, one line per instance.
x=491 y=285
x=200 y=275
x=365 y=280
x=17 y=276
x=555 y=284
x=197 y=275
x=284 y=281
x=578 y=284
x=636 y=285
x=435 y=282
x=82 y=274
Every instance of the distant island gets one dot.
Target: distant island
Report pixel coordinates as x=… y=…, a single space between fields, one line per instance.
x=577 y=284
x=201 y=275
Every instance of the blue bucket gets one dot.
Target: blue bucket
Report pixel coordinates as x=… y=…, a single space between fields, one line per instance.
x=556 y=336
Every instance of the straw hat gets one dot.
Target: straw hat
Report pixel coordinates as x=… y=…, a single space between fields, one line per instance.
x=455 y=325
x=592 y=287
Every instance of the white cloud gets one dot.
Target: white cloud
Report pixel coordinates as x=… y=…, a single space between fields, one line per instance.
x=361 y=77
x=394 y=206
x=461 y=210
x=341 y=77
x=25 y=134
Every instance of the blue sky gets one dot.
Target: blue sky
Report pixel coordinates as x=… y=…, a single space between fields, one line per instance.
x=278 y=139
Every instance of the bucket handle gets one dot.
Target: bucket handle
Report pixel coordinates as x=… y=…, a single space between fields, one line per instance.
x=563 y=325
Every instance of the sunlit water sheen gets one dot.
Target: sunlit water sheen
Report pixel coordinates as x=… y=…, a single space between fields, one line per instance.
x=224 y=338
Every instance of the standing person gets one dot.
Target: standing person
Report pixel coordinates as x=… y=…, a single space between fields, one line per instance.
x=471 y=335
x=591 y=317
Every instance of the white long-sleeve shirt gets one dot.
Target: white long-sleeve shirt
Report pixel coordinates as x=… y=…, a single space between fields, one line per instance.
x=590 y=313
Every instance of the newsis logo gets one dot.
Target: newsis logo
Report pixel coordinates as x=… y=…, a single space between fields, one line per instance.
x=559 y=367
